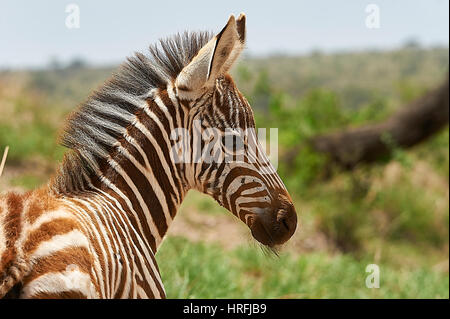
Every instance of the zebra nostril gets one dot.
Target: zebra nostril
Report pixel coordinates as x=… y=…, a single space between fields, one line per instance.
x=285 y=223
x=282 y=219
x=287 y=220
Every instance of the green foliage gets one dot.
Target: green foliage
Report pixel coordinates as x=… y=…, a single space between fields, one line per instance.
x=30 y=129
x=202 y=203
x=374 y=110
x=342 y=216
x=243 y=73
x=68 y=86
x=35 y=139
x=199 y=270
x=28 y=181
x=355 y=76
x=297 y=120
x=412 y=214
x=436 y=152
x=308 y=167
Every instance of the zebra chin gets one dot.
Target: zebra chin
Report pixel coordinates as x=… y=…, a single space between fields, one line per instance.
x=274 y=226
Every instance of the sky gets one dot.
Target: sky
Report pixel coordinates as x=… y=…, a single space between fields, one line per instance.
x=33 y=32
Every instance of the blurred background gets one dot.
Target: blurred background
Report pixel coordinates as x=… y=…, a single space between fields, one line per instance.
x=358 y=93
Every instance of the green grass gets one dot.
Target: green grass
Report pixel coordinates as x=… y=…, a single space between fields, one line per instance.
x=30 y=140
x=436 y=152
x=28 y=181
x=30 y=127
x=202 y=203
x=199 y=270
x=412 y=214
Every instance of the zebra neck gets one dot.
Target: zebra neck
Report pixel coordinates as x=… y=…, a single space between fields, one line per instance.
x=138 y=172
x=142 y=172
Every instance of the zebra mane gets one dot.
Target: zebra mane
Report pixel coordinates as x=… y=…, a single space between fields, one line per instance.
x=94 y=127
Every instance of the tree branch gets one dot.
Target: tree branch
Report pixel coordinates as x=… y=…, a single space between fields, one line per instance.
x=413 y=124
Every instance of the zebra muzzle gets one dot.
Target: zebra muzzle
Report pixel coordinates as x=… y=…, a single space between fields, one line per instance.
x=273 y=227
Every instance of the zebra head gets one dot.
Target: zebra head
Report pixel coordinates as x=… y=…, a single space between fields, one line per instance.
x=228 y=162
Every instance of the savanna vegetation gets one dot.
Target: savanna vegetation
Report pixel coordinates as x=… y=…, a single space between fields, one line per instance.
x=393 y=213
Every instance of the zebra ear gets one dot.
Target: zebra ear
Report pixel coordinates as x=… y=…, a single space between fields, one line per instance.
x=240 y=42
x=211 y=61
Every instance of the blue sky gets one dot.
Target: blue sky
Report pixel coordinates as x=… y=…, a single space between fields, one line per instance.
x=32 y=32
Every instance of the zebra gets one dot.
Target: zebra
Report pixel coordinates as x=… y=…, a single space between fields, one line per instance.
x=93 y=230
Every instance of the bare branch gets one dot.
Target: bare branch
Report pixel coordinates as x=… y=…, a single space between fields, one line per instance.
x=413 y=124
x=2 y=164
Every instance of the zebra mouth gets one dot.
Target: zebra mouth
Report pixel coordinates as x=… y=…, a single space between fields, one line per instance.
x=260 y=233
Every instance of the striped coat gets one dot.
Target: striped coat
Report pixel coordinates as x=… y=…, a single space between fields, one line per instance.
x=134 y=152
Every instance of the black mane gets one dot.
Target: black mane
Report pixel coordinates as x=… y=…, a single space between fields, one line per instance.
x=93 y=128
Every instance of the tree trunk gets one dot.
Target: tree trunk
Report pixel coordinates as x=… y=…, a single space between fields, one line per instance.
x=413 y=124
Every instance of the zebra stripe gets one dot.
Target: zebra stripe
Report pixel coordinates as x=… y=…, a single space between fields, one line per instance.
x=94 y=230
